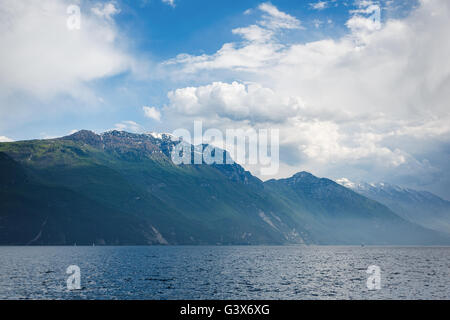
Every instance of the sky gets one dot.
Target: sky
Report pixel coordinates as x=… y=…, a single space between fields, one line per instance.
x=353 y=97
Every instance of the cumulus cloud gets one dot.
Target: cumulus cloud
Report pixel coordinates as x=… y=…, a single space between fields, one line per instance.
x=235 y=101
x=152 y=113
x=366 y=103
x=311 y=132
x=45 y=58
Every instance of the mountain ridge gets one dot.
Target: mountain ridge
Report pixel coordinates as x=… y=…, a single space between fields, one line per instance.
x=123 y=188
x=420 y=207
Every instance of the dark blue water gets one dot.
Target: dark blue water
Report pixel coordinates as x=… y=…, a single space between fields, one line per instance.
x=224 y=272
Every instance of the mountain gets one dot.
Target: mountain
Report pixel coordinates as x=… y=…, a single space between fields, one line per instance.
x=335 y=214
x=127 y=182
x=120 y=188
x=420 y=207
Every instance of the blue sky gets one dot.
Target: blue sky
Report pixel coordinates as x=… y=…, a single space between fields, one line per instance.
x=159 y=32
x=155 y=31
x=202 y=26
x=352 y=98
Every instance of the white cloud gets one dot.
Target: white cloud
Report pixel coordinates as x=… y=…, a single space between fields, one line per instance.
x=321 y=140
x=346 y=183
x=129 y=126
x=107 y=10
x=274 y=19
x=254 y=33
x=317 y=23
x=319 y=5
x=5 y=139
x=235 y=101
x=366 y=18
x=259 y=49
x=45 y=58
x=169 y=2
x=152 y=113
x=370 y=101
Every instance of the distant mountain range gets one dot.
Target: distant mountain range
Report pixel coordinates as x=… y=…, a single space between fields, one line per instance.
x=421 y=207
x=119 y=188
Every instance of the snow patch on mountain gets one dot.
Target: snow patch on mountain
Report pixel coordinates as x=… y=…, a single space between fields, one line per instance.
x=420 y=207
x=163 y=136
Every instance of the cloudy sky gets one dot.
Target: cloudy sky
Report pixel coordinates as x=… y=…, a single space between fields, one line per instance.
x=352 y=97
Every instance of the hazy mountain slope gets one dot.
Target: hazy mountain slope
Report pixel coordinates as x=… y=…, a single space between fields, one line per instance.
x=421 y=207
x=334 y=214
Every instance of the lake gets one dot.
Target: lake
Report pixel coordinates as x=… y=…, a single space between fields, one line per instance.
x=235 y=272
